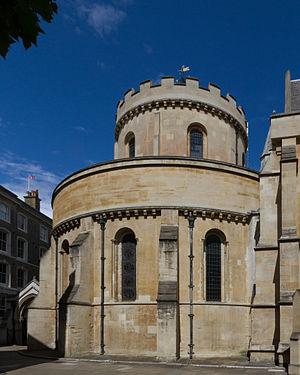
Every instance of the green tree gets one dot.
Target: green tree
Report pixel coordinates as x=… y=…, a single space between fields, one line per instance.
x=20 y=19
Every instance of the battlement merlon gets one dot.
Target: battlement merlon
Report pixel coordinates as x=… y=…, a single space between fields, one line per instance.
x=187 y=91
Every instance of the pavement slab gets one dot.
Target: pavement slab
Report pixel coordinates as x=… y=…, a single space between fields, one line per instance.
x=13 y=362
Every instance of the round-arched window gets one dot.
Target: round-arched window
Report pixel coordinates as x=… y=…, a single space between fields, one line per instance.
x=131 y=147
x=196 y=143
x=129 y=267
x=213 y=268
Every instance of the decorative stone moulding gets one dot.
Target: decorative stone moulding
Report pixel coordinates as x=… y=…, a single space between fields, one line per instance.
x=220 y=215
x=65 y=227
x=127 y=214
x=144 y=212
x=170 y=94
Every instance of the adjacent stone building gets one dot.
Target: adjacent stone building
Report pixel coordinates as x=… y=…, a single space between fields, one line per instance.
x=24 y=238
x=175 y=248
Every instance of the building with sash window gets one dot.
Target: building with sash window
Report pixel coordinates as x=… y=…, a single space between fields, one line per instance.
x=24 y=239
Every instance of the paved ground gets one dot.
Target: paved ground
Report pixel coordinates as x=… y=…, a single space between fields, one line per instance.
x=13 y=363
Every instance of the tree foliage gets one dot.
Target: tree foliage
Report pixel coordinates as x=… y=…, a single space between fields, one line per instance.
x=20 y=19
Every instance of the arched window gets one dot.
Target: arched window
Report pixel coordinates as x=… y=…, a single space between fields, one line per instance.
x=128 y=267
x=129 y=143
x=213 y=268
x=243 y=159
x=65 y=246
x=131 y=146
x=196 y=144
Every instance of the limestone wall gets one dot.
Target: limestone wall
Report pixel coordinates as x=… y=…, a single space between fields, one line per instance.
x=156 y=182
x=131 y=328
x=144 y=195
x=160 y=116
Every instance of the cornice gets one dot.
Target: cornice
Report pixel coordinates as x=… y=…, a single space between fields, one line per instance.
x=217 y=214
x=11 y=199
x=285 y=114
x=129 y=213
x=181 y=103
x=65 y=227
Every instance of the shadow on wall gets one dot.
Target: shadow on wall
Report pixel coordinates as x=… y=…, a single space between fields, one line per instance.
x=63 y=315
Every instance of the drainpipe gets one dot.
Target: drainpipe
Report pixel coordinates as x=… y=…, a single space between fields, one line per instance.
x=237 y=129
x=56 y=292
x=191 y=220
x=102 y=316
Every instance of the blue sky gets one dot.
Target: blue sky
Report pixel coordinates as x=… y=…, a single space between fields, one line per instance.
x=58 y=101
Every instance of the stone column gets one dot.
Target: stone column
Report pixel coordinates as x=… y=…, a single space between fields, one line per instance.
x=167 y=298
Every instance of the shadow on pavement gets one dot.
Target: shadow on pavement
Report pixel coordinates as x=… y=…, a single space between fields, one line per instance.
x=11 y=359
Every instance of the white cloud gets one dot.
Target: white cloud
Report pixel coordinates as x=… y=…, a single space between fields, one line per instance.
x=103 y=18
x=80 y=128
x=123 y=2
x=14 y=171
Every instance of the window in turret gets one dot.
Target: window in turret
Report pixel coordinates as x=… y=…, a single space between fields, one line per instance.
x=196 y=144
x=131 y=146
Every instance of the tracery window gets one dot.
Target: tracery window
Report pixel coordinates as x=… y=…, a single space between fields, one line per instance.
x=196 y=143
x=213 y=268
x=129 y=267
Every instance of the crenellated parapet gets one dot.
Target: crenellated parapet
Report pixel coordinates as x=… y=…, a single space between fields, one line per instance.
x=171 y=94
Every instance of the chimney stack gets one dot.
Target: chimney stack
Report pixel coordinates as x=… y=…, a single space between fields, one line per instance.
x=32 y=199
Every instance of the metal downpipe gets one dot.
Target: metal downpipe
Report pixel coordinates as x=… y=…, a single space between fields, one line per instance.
x=56 y=292
x=191 y=220
x=102 y=316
